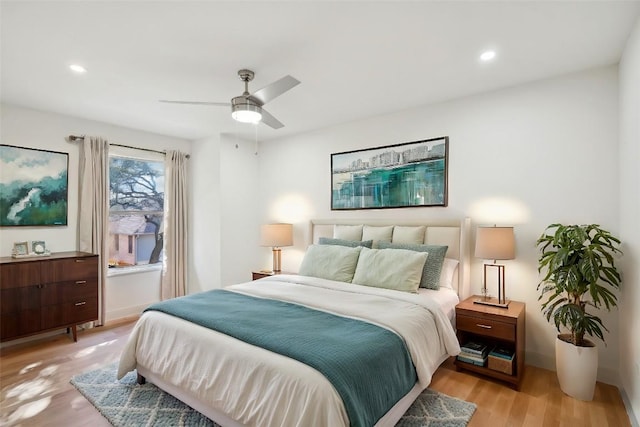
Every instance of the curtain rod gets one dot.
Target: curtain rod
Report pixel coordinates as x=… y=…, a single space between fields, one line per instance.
x=73 y=138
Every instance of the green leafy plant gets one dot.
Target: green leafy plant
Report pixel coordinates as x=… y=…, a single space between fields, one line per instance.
x=579 y=272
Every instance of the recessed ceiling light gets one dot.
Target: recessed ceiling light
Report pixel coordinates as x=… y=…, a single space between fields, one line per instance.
x=77 y=68
x=488 y=55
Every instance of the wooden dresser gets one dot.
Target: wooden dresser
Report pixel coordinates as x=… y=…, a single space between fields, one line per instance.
x=44 y=293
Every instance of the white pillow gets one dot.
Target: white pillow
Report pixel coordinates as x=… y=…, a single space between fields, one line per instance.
x=408 y=234
x=397 y=269
x=348 y=232
x=377 y=233
x=449 y=267
x=331 y=262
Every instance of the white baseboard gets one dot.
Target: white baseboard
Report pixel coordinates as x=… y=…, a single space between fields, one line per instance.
x=546 y=361
x=125 y=312
x=629 y=408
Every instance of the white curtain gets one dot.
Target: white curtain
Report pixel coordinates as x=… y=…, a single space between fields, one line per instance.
x=174 y=272
x=93 y=208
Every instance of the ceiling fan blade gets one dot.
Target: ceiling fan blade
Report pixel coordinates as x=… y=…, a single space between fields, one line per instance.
x=216 y=104
x=275 y=89
x=271 y=121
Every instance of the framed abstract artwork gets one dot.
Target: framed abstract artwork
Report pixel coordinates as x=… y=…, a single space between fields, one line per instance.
x=411 y=174
x=33 y=187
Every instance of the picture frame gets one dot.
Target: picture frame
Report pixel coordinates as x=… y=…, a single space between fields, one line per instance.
x=21 y=248
x=410 y=174
x=33 y=187
x=38 y=247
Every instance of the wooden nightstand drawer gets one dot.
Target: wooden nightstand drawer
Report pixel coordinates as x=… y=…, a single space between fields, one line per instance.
x=486 y=327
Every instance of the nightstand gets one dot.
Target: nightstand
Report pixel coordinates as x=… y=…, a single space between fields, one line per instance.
x=261 y=274
x=494 y=326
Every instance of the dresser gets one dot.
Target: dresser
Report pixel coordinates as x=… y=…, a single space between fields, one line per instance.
x=44 y=293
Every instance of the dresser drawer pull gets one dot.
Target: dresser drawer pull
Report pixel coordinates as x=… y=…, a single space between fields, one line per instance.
x=483 y=326
x=79 y=260
x=81 y=282
x=81 y=303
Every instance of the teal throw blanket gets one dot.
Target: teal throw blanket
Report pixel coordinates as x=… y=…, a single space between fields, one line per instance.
x=369 y=366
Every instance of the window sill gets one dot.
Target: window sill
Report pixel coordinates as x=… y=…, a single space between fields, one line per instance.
x=133 y=270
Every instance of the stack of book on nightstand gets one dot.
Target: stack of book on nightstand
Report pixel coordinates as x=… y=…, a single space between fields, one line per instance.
x=474 y=352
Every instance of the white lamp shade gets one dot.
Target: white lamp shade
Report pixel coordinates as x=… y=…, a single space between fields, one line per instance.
x=276 y=235
x=495 y=243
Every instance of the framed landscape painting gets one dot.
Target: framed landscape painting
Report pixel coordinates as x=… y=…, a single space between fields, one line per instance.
x=395 y=176
x=33 y=187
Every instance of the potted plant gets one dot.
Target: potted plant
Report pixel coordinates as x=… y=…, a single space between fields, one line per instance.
x=579 y=272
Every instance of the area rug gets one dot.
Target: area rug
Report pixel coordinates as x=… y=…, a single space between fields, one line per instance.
x=126 y=403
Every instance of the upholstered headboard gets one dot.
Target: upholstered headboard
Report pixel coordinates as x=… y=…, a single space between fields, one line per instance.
x=454 y=234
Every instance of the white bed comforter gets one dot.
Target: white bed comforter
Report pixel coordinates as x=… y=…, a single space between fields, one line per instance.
x=259 y=388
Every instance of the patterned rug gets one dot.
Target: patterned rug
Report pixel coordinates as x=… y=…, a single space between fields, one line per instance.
x=126 y=403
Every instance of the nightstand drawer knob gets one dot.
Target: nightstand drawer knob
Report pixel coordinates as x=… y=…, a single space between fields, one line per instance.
x=81 y=282
x=81 y=303
x=483 y=326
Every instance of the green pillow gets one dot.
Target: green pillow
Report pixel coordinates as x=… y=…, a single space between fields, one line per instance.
x=433 y=266
x=343 y=242
x=396 y=269
x=331 y=262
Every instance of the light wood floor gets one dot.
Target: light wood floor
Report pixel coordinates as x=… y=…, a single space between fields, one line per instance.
x=36 y=392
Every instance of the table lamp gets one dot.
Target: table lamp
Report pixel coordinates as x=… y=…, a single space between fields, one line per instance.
x=496 y=243
x=276 y=236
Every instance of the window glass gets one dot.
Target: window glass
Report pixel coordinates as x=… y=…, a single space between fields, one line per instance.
x=136 y=203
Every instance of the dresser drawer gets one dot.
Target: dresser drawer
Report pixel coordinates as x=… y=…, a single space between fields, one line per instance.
x=77 y=268
x=70 y=313
x=59 y=293
x=81 y=311
x=486 y=326
x=20 y=274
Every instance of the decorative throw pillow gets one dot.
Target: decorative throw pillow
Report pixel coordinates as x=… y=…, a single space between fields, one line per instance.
x=433 y=266
x=342 y=242
x=331 y=262
x=347 y=232
x=396 y=269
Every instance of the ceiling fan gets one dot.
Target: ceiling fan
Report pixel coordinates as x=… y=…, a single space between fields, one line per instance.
x=247 y=108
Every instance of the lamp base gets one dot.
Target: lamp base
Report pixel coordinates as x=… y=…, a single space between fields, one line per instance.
x=494 y=302
x=276 y=259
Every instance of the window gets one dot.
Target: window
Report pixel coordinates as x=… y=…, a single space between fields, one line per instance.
x=136 y=203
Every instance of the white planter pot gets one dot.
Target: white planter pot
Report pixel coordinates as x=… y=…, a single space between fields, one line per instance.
x=577 y=369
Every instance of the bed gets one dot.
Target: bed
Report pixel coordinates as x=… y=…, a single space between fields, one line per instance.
x=244 y=381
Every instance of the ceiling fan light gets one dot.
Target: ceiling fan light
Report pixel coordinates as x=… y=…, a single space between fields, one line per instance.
x=246 y=116
x=245 y=110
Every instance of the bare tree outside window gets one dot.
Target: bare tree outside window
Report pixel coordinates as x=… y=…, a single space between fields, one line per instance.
x=136 y=204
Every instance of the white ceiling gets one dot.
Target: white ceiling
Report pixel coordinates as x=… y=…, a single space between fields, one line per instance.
x=355 y=59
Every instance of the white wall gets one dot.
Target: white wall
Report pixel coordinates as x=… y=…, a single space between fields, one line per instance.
x=629 y=215
x=23 y=127
x=529 y=156
x=239 y=209
x=225 y=212
x=205 y=201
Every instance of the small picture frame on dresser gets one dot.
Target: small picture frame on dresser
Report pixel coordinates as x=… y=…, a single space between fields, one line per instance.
x=38 y=247
x=20 y=249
